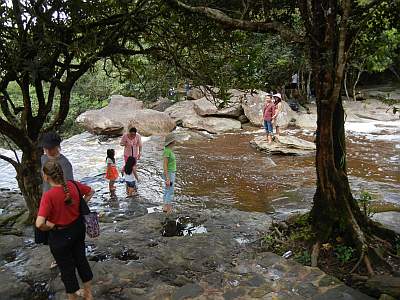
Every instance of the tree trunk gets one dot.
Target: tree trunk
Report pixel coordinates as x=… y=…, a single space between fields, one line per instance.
x=345 y=84
x=309 y=87
x=334 y=211
x=359 y=72
x=29 y=179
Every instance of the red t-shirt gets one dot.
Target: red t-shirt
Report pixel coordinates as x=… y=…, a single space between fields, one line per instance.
x=53 y=208
x=269 y=111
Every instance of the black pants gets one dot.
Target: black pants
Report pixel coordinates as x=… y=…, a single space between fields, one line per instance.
x=68 y=248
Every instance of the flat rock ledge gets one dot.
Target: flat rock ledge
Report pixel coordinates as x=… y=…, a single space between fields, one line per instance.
x=283 y=145
x=131 y=260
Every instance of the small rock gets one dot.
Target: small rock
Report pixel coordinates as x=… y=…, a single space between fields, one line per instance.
x=187 y=291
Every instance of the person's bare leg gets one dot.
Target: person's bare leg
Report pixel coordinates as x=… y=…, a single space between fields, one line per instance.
x=277 y=130
x=129 y=191
x=87 y=290
x=111 y=186
x=72 y=296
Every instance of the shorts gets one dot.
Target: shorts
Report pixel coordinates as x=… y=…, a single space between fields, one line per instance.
x=268 y=126
x=131 y=184
x=169 y=191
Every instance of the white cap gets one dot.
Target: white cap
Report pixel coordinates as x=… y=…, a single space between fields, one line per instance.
x=278 y=95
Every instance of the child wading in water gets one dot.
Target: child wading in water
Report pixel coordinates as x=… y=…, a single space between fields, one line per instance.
x=130 y=175
x=111 y=171
x=169 y=166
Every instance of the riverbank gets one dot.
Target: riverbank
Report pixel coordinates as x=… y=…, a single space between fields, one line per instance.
x=132 y=259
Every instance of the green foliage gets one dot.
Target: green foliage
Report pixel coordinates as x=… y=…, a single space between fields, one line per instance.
x=377 y=47
x=303 y=257
x=365 y=203
x=344 y=253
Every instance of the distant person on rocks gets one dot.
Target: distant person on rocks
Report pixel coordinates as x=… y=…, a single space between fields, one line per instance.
x=130 y=175
x=111 y=170
x=268 y=112
x=51 y=142
x=279 y=116
x=132 y=141
x=60 y=216
x=169 y=172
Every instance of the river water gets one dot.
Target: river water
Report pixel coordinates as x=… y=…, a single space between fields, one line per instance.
x=225 y=171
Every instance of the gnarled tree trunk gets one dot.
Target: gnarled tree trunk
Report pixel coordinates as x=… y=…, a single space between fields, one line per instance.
x=30 y=180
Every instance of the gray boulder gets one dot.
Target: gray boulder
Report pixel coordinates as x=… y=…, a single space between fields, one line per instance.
x=212 y=124
x=185 y=114
x=161 y=104
x=283 y=145
x=121 y=114
x=181 y=110
x=208 y=106
x=253 y=104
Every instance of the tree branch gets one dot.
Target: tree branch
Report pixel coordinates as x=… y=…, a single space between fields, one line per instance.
x=10 y=161
x=275 y=27
x=6 y=110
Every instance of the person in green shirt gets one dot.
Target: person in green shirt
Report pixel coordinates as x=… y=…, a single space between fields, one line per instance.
x=169 y=168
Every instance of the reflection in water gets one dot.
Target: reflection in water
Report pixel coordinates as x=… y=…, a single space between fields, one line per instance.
x=226 y=171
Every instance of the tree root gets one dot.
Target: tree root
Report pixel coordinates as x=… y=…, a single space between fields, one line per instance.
x=358 y=262
x=368 y=265
x=315 y=254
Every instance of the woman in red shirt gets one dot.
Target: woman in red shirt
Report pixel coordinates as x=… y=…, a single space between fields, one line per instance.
x=59 y=214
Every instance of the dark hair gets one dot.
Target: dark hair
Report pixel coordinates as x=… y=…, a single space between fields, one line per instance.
x=111 y=155
x=55 y=172
x=130 y=163
x=133 y=130
x=277 y=100
x=50 y=140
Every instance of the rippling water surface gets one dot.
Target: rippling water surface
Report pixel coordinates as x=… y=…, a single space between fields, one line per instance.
x=227 y=171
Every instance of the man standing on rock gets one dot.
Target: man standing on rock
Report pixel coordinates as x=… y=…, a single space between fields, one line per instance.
x=268 y=112
x=132 y=141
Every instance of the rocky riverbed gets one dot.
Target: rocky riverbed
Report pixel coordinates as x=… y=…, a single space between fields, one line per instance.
x=213 y=255
x=227 y=194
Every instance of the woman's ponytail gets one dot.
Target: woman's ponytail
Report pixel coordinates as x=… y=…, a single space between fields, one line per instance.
x=55 y=172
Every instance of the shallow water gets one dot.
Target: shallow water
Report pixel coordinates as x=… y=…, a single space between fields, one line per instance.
x=227 y=172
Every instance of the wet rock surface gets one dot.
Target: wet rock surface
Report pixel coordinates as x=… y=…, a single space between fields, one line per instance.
x=133 y=260
x=283 y=145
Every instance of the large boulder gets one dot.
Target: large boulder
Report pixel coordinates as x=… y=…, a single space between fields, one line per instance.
x=151 y=122
x=184 y=113
x=123 y=113
x=161 y=104
x=212 y=124
x=201 y=91
x=253 y=104
x=305 y=120
x=181 y=110
x=283 y=145
x=208 y=106
x=196 y=93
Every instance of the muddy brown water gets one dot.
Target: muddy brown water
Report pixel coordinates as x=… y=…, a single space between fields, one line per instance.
x=228 y=171
x=225 y=171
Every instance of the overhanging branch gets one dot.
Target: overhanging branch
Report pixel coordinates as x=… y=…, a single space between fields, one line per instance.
x=10 y=161
x=274 y=27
